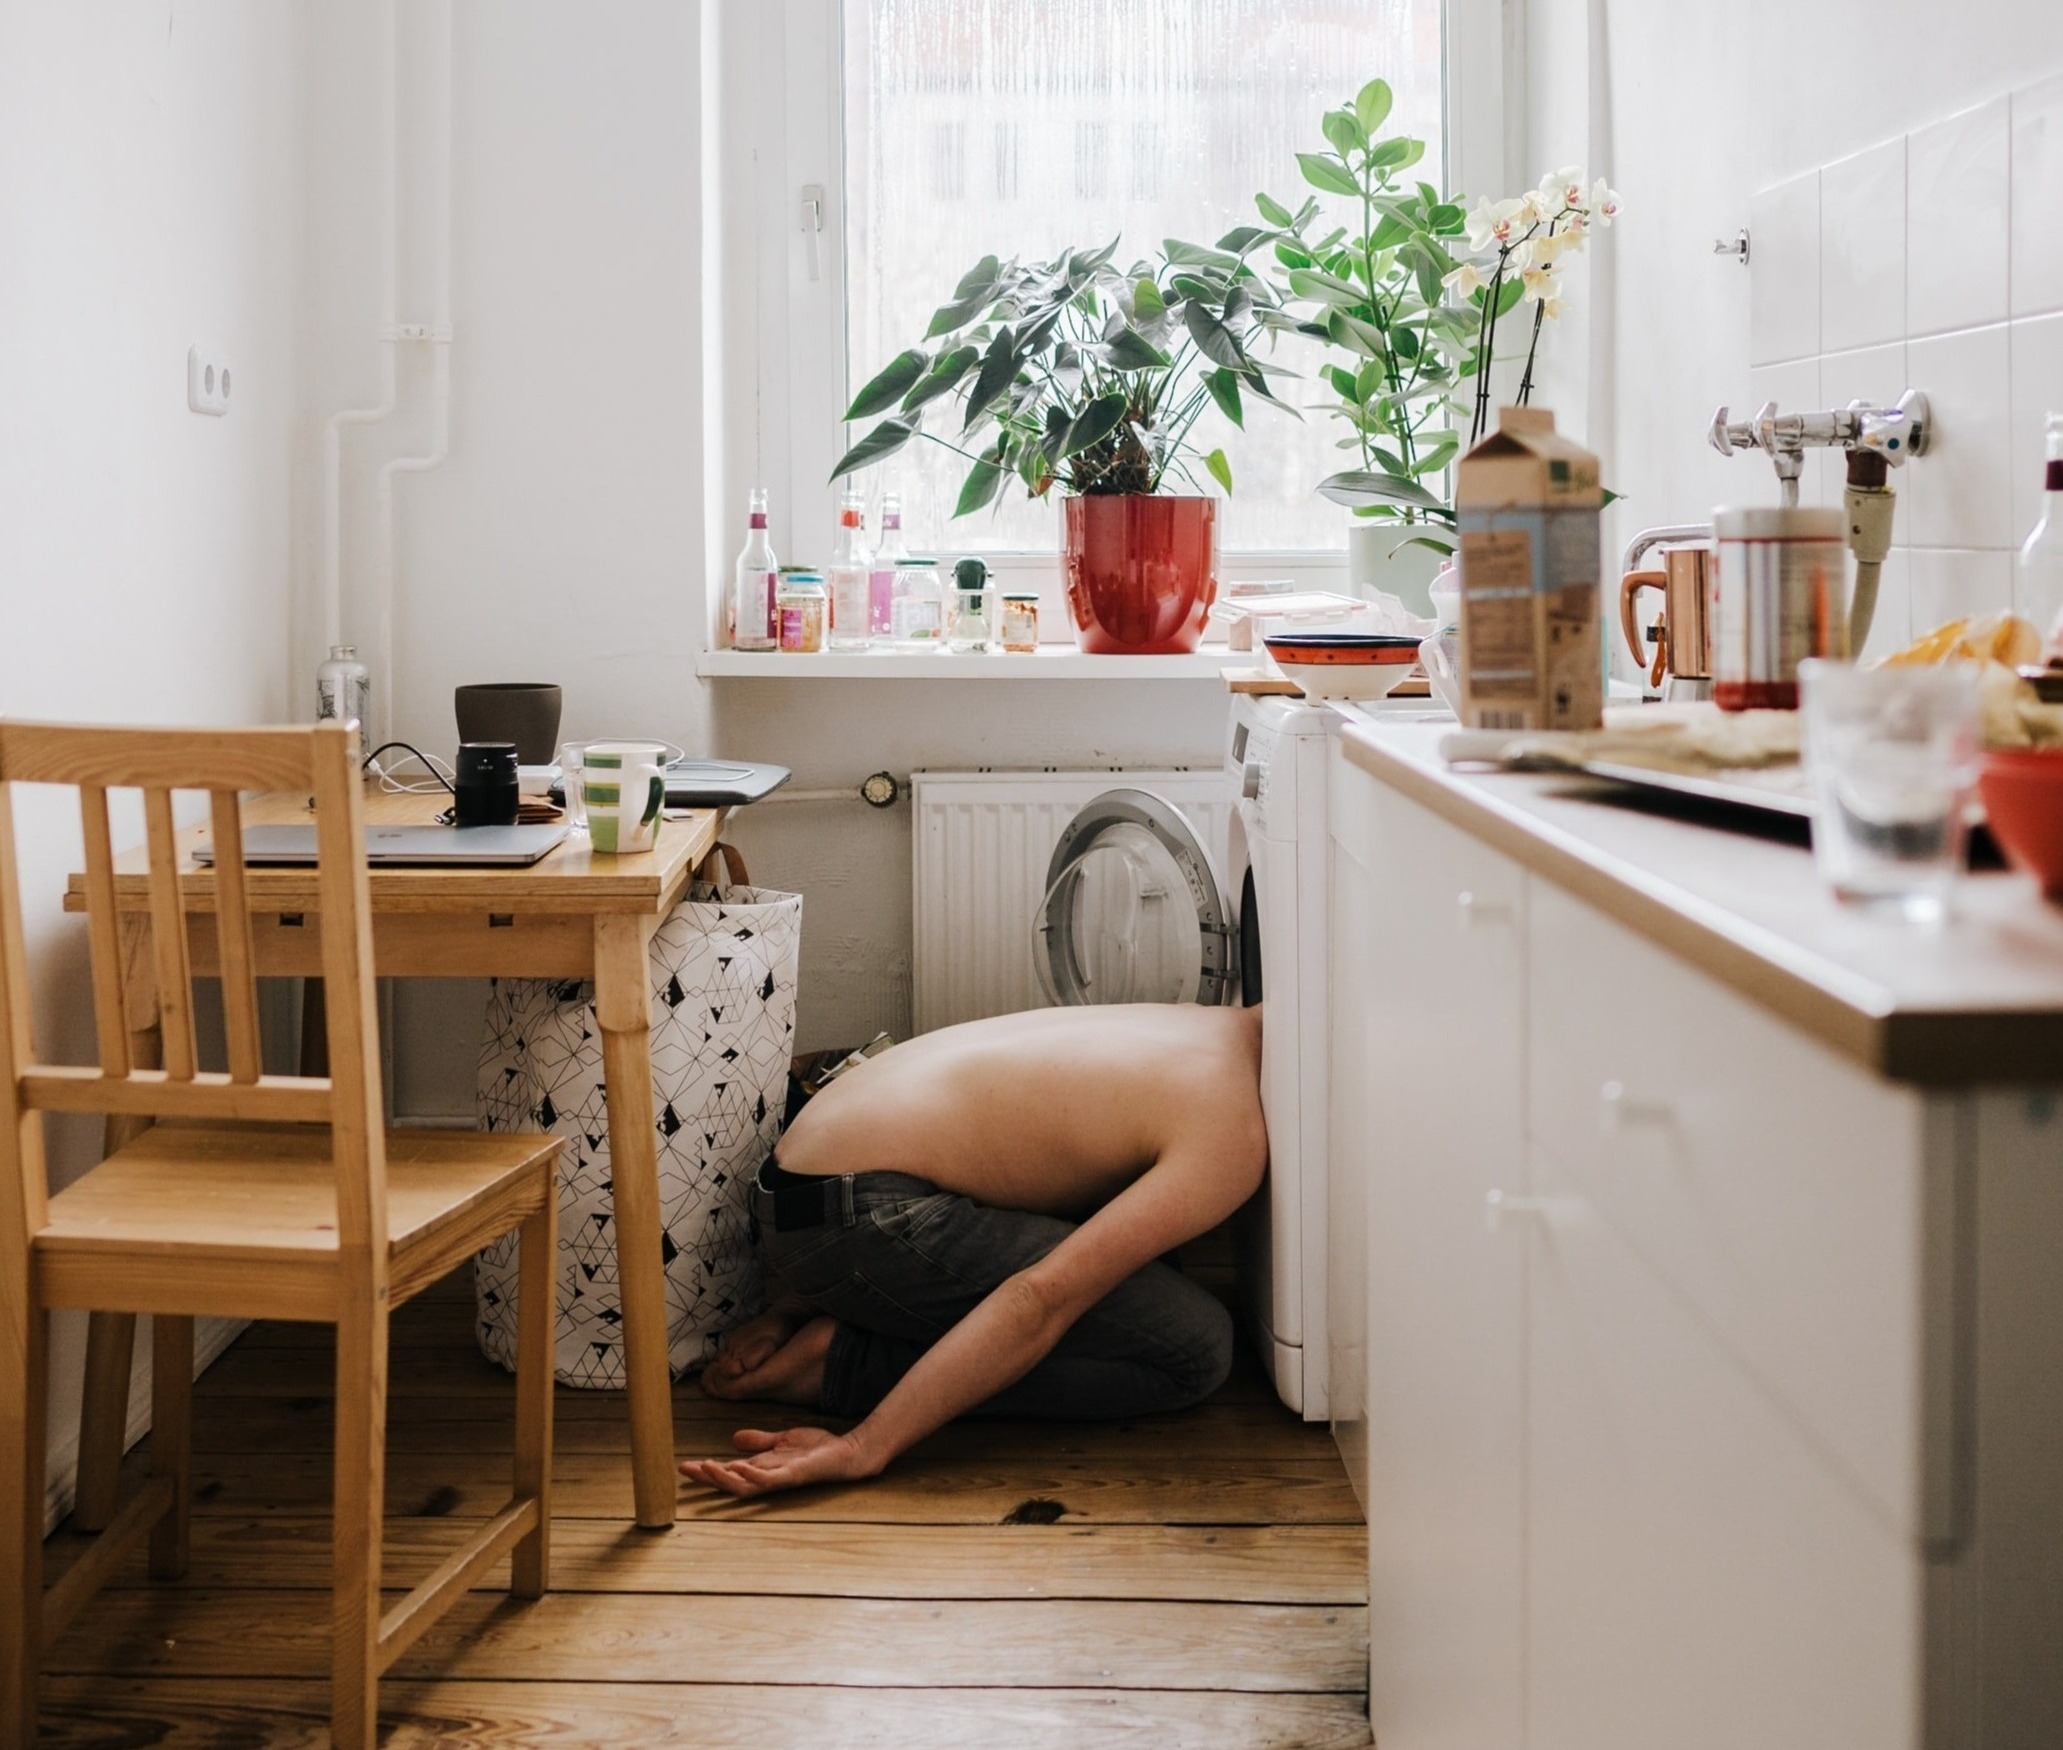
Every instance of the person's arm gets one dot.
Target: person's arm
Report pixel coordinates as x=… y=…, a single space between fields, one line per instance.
x=1189 y=1190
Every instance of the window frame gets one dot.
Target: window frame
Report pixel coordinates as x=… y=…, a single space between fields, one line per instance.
x=786 y=58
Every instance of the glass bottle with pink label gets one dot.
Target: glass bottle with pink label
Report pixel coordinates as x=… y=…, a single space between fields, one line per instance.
x=754 y=623
x=849 y=578
x=889 y=557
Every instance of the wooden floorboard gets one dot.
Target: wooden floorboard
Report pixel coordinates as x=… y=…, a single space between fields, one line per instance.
x=217 y=1714
x=917 y=1490
x=1183 y=1581
x=1271 y=1564
x=659 y=1638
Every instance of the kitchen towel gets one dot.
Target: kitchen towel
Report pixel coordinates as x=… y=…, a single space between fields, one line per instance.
x=723 y=971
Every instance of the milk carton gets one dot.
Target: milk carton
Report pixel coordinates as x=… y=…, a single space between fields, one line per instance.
x=1527 y=501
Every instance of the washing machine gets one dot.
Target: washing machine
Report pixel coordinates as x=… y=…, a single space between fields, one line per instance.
x=1138 y=909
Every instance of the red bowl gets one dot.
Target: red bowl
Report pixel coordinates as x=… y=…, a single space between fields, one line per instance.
x=2022 y=790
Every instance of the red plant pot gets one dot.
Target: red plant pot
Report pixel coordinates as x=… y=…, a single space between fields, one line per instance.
x=1141 y=572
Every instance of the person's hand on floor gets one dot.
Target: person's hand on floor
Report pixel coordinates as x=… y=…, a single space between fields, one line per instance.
x=792 y=1459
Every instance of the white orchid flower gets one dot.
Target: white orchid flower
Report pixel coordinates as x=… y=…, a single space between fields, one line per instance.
x=1562 y=189
x=1534 y=207
x=1542 y=285
x=1551 y=306
x=1604 y=202
x=1494 y=222
x=1548 y=247
x=1463 y=280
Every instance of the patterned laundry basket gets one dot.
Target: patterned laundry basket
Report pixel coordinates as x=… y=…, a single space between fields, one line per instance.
x=723 y=968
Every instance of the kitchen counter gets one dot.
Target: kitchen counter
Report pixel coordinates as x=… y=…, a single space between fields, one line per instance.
x=1698 y=1338
x=1978 y=1000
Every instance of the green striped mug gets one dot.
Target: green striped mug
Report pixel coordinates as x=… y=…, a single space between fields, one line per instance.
x=623 y=786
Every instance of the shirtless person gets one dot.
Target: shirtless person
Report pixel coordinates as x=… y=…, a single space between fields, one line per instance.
x=976 y=1218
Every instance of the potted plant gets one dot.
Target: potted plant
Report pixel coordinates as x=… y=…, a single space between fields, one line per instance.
x=1077 y=374
x=1407 y=295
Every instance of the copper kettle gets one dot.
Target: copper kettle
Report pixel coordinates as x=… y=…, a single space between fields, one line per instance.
x=1681 y=636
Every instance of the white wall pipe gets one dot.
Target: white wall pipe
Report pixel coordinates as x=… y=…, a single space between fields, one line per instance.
x=438 y=334
x=333 y=431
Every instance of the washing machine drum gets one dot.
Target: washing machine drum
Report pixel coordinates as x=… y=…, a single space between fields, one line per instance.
x=1134 y=912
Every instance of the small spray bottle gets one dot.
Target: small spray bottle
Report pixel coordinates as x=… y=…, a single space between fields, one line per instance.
x=2038 y=578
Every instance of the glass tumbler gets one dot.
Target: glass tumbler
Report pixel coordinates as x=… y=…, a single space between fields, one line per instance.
x=1892 y=753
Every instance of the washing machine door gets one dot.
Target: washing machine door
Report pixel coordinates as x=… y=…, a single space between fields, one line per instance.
x=1134 y=911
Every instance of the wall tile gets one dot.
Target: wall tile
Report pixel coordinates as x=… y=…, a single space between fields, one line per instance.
x=1783 y=271
x=1960 y=494
x=2037 y=198
x=1892 y=625
x=1875 y=374
x=1794 y=387
x=1862 y=248
x=1957 y=187
x=2037 y=354
x=1949 y=585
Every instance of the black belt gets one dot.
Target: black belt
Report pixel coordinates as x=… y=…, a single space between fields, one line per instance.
x=802 y=1200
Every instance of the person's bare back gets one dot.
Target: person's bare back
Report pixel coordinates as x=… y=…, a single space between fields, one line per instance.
x=1047 y=1161
x=1054 y=1111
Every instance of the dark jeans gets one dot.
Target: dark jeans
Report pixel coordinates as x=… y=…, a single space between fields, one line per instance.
x=912 y=1261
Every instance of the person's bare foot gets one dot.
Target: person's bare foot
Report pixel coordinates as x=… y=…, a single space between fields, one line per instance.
x=791 y=1374
x=752 y=1345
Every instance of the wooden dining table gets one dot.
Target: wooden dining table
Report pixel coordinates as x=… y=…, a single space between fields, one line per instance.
x=577 y=914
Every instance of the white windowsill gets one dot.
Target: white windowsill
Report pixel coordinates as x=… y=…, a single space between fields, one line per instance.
x=1053 y=662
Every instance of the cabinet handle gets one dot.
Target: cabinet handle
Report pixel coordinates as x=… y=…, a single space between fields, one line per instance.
x=1501 y=1206
x=1616 y=1109
x=1474 y=910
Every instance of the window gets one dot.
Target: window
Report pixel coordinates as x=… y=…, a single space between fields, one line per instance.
x=1146 y=118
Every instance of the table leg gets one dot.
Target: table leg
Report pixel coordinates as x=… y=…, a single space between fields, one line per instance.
x=111 y=1337
x=623 y=1006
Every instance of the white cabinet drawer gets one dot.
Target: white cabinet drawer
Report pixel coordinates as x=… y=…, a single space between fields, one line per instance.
x=1698 y=1579
x=1775 y=1187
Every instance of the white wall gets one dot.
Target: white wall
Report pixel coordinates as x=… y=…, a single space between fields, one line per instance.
x=1897 y=164
x=605 y=298
x=148 y=199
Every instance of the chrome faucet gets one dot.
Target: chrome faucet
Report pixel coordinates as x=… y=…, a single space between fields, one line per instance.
x=1891 y=432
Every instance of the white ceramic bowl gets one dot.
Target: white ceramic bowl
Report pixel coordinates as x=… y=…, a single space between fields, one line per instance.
x=1356 y=681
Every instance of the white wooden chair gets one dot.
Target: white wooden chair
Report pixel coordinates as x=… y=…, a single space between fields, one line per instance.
x=255 y=1196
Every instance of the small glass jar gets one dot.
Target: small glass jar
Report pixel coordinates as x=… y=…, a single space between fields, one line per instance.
x=1020 y=622
x=917 y=616
x=802 y=608
x=971 y=630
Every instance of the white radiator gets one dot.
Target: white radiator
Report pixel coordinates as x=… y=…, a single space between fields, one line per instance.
x=983 y=843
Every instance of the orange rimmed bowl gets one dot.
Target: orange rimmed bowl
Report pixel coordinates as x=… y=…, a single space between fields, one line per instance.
x=1344 y=665
x=2022 y=792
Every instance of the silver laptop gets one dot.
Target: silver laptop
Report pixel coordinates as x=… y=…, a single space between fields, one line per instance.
x=388 y=847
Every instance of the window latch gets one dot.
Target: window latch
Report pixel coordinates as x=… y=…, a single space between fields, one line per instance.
x=813 y=226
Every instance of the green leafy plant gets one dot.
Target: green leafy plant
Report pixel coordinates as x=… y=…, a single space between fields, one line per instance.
x=1408 y=294
x=1370 y=290
x=1074 y=372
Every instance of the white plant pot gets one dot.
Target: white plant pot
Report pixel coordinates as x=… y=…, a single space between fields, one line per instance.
x=1380 y=556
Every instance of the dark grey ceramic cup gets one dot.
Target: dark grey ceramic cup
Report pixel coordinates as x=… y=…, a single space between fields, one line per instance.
x=524 y=712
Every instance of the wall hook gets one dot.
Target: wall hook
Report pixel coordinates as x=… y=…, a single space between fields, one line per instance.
x=1738 y=248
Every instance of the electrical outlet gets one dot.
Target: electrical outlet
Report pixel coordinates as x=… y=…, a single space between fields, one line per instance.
x=207 y=381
